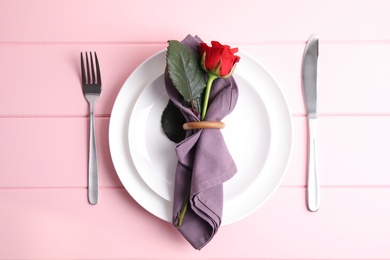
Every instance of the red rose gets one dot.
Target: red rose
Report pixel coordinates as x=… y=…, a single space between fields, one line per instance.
x=218 y=59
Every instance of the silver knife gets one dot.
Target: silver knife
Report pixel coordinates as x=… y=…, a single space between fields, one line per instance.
x=309 y=85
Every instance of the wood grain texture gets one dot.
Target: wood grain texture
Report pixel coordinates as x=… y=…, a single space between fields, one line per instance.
x=33 y=70
x=59 y=224
x=251 y=21
x=53 y=152
x=44 y=212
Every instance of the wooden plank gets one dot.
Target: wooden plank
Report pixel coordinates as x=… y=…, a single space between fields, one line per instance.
x=52 y=152
x=252 y=21
x=346 y=86
x=59 y=223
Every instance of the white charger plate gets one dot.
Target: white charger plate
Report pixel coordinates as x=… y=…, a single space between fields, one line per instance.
x=258 y=134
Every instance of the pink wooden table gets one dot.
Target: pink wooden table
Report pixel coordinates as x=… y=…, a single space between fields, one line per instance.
x=44 y=212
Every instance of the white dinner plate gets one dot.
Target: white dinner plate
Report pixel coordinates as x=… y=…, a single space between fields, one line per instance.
x=258 y=134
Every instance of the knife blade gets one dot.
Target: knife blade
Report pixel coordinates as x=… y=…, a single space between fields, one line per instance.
x=309 y=86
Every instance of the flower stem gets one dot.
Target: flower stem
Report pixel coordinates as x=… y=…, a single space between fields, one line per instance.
x=182 y=212
x=210 y=81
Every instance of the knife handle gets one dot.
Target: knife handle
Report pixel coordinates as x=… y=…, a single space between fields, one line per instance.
x=313 y=191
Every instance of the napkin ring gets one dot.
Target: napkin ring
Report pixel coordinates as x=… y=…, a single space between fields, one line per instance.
x=203 y=125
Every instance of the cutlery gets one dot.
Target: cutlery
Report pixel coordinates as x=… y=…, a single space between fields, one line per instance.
x=92 y=87
x=309 y=85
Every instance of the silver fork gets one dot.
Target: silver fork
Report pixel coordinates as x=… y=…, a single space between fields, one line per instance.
x=92 y=87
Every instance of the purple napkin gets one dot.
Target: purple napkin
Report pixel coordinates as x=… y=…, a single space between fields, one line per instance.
x=204 y=161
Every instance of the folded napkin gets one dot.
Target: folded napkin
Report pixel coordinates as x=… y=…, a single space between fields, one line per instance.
x=204 y=161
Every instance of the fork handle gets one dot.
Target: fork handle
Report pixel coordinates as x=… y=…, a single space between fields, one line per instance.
x=93 y=185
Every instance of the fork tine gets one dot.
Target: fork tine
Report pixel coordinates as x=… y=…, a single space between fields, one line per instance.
x=99 y=80
x=88 y=70
x=82 y=68
x=92 y=70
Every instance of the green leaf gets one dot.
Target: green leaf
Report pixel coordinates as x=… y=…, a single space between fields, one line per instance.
x=186 y=74
x=172 y=122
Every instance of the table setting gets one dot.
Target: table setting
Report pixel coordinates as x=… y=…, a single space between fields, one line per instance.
x=150 y=138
